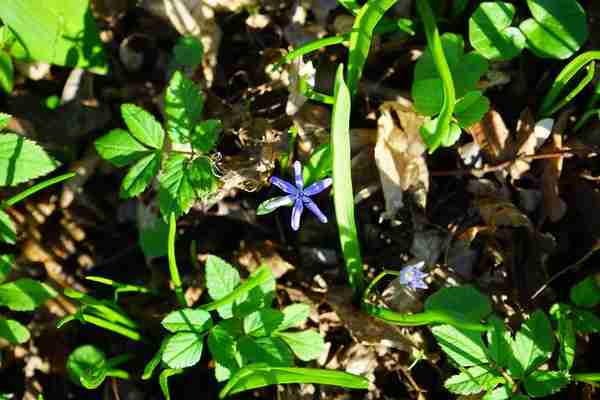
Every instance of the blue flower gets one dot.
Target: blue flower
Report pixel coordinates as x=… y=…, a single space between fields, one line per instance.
x=411 y=276
x=296 y=195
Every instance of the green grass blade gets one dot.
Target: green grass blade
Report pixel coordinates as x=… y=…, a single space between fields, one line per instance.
x=36 y=188
x=591 y=68
x=343 y=196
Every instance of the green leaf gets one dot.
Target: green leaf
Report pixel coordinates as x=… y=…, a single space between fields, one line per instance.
x=544 y=383
x=221 y=280
x=206 y=135
x=533 y=345
x=13 y=331
x=490 y=32
x=558 y=28
x=466 y=348
x=267 y=206
x=120 y=148
x=140 y=175
x=586 y=293
x=4 y=120
x=463 y=302
x=25 y=294
x=471 y=108
x=7 y=72
x=163 y=380
x=428 y=95
x=154 y=362
x=176 y=193
x=222 y=346
x=262 y=322
x=187 y=319
x=561 y=313
x=188 y=52
x=6 y=263
x=22 y=160
x=143 y=126
x=183 y=107
x=271 y=350
x=183 y=349
x=499 y=341
x=87 y=366
x=294 y=315
x=319 y=164
x=260 y=375
x=500 y=393
x=586 y=321
x=429 y=128
x=202 y=177
x=8 y=234
x=473 y=380
x=306 y=345
x=61 y=32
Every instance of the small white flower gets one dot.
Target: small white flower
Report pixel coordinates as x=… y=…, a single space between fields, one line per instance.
x=299 y=71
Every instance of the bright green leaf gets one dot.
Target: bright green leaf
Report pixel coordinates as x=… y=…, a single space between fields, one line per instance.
x=8 y=234
x=473 y=380
x=544 y=383
x=499 y=341
x=7 y=72
x=566 y=335
x=294 y=315
x=262 y=322
x=6 y=263
x=471 y=108
x=222 y=346
x=586 y=293
x=306 y=345
x=258 y=297
x=176 y=193
x=490 y=32
x=183 y=349
x=533 y=345
x=188 y=52
x=25 y=294
x=183 y=107
x=154 y=362
x=13 y=331
x=187 y=319
x=466 y=348
x=558 y=28
x=500 y=393
x=202 y=177
x=143 y=126
x=61 y=32
x=163 y=380
x=206 y=135
x=22 y=160
x=120 y=148
x=463 y=302
x=140 y=175
x=221 y=280
x=428 y=95
x=4 y=120
x=271 y=350
x=87 y=366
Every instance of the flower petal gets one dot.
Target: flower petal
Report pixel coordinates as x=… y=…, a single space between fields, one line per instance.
x=283 y=185
x=298 y=178
x=314 y=209
x=296 y=214
x=318 y=187
x=271 y=205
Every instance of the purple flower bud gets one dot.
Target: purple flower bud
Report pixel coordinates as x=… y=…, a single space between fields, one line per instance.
x=411 y=276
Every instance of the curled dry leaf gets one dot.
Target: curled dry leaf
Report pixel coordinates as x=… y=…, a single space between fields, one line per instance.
x=493 y=137
x=399 y=155
x=530 y=137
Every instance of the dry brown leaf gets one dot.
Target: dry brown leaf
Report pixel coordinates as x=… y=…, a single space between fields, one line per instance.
x=493 y=137
x=400 y=158
x=530 y=137
x=499 y=213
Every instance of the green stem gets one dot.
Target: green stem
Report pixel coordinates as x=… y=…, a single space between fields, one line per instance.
x=580 y=86
x=35 y=188
x=173 y=270
x=435 y=44
x=587 y=377
x=584 y=118
x=111 y=326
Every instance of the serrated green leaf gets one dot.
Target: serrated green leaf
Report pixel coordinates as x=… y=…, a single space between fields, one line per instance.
x=143 y=126
x=500 y=393
x=202 y=177
x=533 y=345
x=306 y=345
x=188 y=52
x=13 y=331
x=206 y=135
x=490 y=32
x=499 y=341
x=558 y=28
x=25 y=294
x=463 y=302
x=120 y=148
x=183 y=107
x=561 y=313
x=473 y=380
x=87 y=366
x=4 y=120
x=140 y=175
x=586 y=293
x=544 y=383
x=221 y=280
x=258 y=298
x=61 y=32
x=270 y=350
x=222 y=346
x=262 y=322
x=6 y=263
x=187 y=319
x=7 y=72
x=154 y=361
x=466 y=348
x=176 y=193
x=183 y=349
x=22 y=160
x=586 y=321
x=163 y=380
x=471 y=108
x=294 y=315
x=8 y=234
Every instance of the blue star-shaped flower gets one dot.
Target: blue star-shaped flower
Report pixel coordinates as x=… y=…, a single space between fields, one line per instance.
x=411 y=276
x=297 y=195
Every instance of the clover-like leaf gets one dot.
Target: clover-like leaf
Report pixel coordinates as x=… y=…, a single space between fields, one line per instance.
x=4 y=118
x=490 y=32
x=206 y=135
x=87 y=366
x=470 y=109
x=586 y=321
x=464 y=302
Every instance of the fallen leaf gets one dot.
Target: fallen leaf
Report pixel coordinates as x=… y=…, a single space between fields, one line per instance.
x=493 y=137
x=530 y=137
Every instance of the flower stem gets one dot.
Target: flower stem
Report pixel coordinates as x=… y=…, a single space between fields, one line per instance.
x=173 y=270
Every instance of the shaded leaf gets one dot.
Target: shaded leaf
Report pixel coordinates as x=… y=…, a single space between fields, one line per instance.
x=499 y=341
x=566 y=335
x=8 y=234
x=222 y=346
x=586 y=321
x=544 y=383
x=270 y=350
x=586 y=293
x=22 y=160
x=206 y=135
x=6 y=263
x=25 y=294
x=176 y=193
x=471 y=108
x=13 y=331
x=140 y=175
